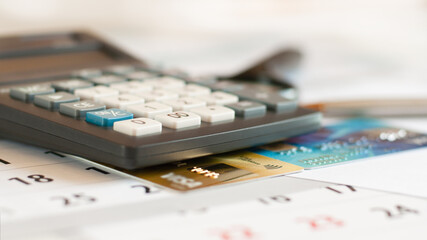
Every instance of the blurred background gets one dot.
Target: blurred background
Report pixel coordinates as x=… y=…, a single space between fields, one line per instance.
x=352 y=49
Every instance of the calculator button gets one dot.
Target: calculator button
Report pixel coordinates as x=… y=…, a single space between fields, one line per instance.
x=273 y=100
x=214 y=114
x=179 y=120
x=121 y=101
x=106 y=118
x=219 y=98
x=79 y=109
x=166 y=83
x=185 y=104
x=95 y=93
x=132 y=87
x=138 y=127
x=52 y=101
x=120 y=69
x=247 y=109
x=87 y=73
x=27 y=93
x=106 y=80
x=71 y=85
x=140 y=75
x=149 y=110
x=158 y=95
x=193 y=90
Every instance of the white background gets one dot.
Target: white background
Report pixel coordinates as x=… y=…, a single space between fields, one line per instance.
x=353 y=49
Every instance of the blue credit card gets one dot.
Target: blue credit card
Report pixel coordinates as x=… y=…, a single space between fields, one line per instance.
x=346 y=141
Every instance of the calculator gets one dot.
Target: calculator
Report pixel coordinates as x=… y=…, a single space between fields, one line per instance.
x=75 y=93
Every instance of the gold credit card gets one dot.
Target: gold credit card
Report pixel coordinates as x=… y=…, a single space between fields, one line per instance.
x=214 y=170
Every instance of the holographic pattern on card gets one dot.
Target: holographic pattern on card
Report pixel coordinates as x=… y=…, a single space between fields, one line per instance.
x=346 y=141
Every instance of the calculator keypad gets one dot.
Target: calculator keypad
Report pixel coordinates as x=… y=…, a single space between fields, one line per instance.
x=112 y=97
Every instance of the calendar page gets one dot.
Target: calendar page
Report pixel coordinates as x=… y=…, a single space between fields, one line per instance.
x=40 y=184
x=50 y=195
x=332 y=212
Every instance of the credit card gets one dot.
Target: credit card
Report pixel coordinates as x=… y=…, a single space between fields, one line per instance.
x=215 y=170
x=343 y=142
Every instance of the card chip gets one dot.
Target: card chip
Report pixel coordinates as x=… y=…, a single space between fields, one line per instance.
x=222 y=171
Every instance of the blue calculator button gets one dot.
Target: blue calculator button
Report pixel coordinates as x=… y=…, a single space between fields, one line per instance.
x=106 y=118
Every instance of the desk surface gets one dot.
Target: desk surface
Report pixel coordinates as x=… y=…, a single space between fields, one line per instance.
x=80 y=203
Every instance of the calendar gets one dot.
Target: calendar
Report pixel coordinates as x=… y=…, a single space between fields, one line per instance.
x=51 y=195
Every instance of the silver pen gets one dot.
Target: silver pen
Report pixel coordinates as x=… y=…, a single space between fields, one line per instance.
x=373 y=108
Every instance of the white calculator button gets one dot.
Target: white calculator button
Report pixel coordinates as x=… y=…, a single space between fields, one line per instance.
x=219 y=98
x=95 y=93
x=138 y=126
x=149 y=110
x=106 y=80
x=185 y=104
x=193 y=90
x=178 y=120
x=214 y=114
x=132 y=87
x=121 y=101
x=158 y=95
x=166 y=83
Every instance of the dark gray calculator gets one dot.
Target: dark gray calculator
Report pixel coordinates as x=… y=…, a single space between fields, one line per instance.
x=75 y=93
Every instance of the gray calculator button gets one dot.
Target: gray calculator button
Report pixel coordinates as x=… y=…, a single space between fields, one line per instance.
x=247 y=109
x=79 y=109
x=70 y=85
x=27 y=93
x=106 y=80
x=52 y=101
x=273 y=100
